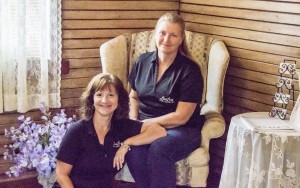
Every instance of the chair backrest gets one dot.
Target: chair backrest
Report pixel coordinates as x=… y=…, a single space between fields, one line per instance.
x=118 y=55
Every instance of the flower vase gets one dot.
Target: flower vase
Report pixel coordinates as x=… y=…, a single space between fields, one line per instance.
x=47 y=182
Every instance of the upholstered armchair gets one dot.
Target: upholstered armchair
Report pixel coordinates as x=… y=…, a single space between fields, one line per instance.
x=118 y=55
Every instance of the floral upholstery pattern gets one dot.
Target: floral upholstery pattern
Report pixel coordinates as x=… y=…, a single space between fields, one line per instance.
x=212 y=57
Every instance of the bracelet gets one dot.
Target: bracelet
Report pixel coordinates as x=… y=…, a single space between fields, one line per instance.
x=126 y=146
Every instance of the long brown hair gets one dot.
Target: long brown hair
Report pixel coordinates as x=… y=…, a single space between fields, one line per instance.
x=101 y=82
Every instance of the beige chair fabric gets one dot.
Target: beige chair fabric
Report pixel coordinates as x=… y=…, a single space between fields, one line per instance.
x=118 y=55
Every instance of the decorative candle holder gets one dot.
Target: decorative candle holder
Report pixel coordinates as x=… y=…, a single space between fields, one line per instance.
x=285 y=93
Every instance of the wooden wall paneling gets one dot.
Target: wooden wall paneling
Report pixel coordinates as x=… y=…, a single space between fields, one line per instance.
x=259 y=35
x=82 y=43
x=28 y=180
x=111 y=24
x=246 y=103
x=12 y=118
x=112 y=15
x=293 y=41
x=252 y=5
x=120 y=5
x=233 y=109
x=5 y=140
x=74 y=83
x=103 y=33
x=287 y=52
x=254 y=25
x=81 y=73
x=80 y=53
x=71 y=93
x=4 y=165
x=84 y=63
x=250 y=85
x=260 y=56
x=254 y=65
x=252 y=75
x=71 y=102
x=244 y=14
x=249 y=94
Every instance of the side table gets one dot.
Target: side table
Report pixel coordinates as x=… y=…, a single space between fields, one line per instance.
x=260 y=159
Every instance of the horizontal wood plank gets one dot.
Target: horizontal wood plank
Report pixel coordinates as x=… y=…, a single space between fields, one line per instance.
x=254 y=5
x=243 y=24
x=83 y=43
x=81 y=53
x=245 y=14
x=287 y=51
x=108 y=24
x=111 y=15
x=250 y=85
x=85 y=63
x=81 y=73
x=248 y=94
x=255 y=76
x=252 y=75
x=72 y=102
x=4 y=140
x=260 y=56
x=249 y=105
x=99 y=33
x=272 y=38
x=119 y=5
x=71 y=93
x=233 y=110
x=74 y=83
x=7 y=127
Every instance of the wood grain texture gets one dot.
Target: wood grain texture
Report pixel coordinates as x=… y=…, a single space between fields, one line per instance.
x=258 y=34
x=120 y=5
x=252 y=5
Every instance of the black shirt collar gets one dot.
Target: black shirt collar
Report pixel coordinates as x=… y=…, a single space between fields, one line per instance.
x=91 y=129
x=154 y=57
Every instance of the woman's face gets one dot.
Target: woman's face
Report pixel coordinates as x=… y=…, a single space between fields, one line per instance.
x=106 y=101
x=168 y=37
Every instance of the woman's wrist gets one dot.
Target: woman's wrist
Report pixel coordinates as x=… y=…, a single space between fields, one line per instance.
x=125 y=146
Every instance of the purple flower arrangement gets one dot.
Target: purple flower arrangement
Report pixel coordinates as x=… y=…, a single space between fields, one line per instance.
x=35 y=144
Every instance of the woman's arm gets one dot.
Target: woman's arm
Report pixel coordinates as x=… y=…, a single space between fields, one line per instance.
x=149 y=133
x=183 y=113
x=62 y=174
x=133 y=105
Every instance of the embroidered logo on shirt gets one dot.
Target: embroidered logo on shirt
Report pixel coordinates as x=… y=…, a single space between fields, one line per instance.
x=166 y=100
x=117 y=144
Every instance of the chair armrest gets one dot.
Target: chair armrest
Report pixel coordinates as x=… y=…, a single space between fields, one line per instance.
x=217 y=66
x=214 y=127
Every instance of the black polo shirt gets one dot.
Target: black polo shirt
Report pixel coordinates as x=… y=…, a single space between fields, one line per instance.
x=93 y=162
x=182 y=81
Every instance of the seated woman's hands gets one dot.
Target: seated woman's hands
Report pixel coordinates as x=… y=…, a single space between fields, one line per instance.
x=120 y=156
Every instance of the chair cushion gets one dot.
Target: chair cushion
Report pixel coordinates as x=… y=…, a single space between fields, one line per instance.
x=198 y=46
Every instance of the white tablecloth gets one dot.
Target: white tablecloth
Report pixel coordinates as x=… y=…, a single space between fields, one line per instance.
x=260 y=159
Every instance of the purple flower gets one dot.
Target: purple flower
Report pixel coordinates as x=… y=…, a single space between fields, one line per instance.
x=35 y=145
